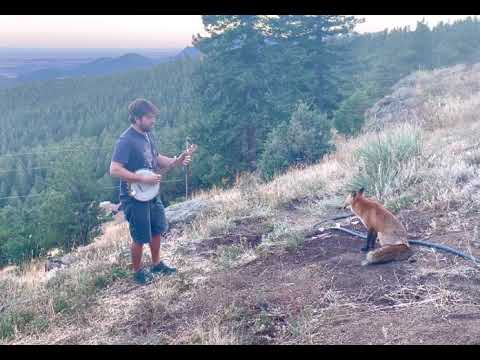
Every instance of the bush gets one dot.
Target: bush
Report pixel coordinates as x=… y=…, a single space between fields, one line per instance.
x=228 y=254
x=15 y=321
x=304 y=140
x=382 y=161
x=283 y=236
x=104 y=280
x=7 y=330
x=349 y=118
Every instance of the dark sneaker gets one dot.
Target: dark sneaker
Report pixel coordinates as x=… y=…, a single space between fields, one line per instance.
x=163 y=269
x=143 y=277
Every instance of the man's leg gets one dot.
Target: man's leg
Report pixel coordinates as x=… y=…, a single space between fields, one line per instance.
x=155 y=249
x=158 y=266
x=138 y=216
x=137 y=250
x=159 y=228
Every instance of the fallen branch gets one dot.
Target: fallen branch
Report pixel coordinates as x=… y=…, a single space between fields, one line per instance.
x=221 y=237
x=407 y=304
x=344 y=216
x=471 y=147
x=359 y=311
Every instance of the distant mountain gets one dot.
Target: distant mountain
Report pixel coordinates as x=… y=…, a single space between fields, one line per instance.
x=43 y=74
x=190 y=52
x=99 y=67
x=104 y=66
x=6 y=82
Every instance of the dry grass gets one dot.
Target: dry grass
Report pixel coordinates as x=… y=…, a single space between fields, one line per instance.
x=38 y=299
x=209 y=331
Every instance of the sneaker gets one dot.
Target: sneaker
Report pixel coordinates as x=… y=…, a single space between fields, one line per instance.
x=142 y=277
x=163 y=269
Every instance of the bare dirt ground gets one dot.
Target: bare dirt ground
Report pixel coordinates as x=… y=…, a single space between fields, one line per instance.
x=318 y=294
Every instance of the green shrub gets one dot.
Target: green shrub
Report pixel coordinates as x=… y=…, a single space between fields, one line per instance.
x=382 y=160
x=12 y=321
x=303 y=140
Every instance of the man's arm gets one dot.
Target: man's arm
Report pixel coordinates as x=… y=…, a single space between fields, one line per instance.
x=165 y=161
x=117 y=169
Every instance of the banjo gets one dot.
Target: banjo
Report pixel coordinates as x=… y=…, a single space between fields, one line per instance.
x=146 y=192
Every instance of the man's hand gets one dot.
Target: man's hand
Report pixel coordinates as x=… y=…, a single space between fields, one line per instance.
x=186 y=157
x=186 y=160
x=151 y=179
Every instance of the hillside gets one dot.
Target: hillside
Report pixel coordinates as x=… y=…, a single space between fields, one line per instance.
x=253 y=271
x=266 y=117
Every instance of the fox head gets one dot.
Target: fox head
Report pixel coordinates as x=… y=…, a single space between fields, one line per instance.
x=351 y=197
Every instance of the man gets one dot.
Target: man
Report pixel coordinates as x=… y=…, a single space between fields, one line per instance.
x=135 y=150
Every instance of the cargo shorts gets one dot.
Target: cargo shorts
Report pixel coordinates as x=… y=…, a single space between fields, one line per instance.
x=145 y=219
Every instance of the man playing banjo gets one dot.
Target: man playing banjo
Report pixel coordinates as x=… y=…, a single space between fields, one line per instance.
x=136 y=150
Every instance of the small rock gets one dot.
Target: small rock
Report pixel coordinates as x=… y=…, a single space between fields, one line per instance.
x=67 y=259
x=109 y=207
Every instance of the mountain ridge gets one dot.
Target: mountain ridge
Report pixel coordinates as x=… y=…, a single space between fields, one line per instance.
x=98 y=67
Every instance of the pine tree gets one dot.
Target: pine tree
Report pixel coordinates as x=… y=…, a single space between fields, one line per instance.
x=303 y=140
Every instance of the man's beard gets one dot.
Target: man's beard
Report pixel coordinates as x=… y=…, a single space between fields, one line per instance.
x=146 y=128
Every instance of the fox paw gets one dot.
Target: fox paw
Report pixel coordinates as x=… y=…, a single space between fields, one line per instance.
x=365 y=262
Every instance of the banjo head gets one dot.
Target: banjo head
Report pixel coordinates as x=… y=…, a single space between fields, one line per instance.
x=142 y=191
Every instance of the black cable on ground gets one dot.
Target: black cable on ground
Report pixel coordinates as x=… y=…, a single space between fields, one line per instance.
x=416 y=242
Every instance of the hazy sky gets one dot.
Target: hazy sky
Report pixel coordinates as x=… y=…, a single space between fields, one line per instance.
x=141 y=31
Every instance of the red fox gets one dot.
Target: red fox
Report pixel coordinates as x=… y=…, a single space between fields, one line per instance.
x=380 y=222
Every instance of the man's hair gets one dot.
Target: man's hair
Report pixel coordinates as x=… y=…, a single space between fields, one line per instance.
x=139 y=108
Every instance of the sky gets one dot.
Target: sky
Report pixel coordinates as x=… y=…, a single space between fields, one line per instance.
x=143 y=31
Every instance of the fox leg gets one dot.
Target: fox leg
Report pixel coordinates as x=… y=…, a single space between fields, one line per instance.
x=373 y=238
x=370 y=241
x=388 y=253
x=367 y=242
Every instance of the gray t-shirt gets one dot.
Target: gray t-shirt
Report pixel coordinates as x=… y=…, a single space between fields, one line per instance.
x=135 y=151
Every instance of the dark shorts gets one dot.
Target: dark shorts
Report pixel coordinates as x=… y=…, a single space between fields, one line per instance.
x=145 y=219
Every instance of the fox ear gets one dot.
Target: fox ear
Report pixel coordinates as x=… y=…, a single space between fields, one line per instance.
x=361 y=191
x=354 y=193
